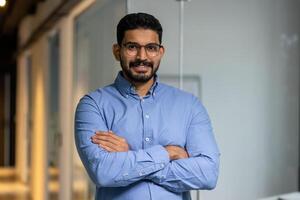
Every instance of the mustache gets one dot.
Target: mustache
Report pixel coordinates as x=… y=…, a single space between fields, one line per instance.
x=140 y=62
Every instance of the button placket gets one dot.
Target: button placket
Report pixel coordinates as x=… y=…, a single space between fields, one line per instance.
x=147 y=134
x=148 y=139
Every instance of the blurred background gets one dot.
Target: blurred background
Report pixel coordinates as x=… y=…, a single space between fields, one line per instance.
x=240 y=57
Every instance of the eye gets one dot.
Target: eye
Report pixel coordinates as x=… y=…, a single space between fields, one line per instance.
x=152 y=47
x=132 y=47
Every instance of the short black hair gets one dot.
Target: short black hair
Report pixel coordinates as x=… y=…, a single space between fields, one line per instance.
x=138 y=20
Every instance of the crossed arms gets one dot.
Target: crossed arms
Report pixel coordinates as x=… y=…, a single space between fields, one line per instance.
x=111 y=163
x=114 y=143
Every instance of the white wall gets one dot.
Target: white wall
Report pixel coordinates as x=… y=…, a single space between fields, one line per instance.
x=247 y=56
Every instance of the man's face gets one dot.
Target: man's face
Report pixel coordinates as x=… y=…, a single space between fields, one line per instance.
x=139 y=62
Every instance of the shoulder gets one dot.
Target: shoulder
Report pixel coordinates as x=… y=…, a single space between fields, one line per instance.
x=98 y=96
x=173 y=92
x=180 y=98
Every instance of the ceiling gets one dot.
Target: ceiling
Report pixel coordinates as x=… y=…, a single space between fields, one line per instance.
x=10 y=17
x=13 y=12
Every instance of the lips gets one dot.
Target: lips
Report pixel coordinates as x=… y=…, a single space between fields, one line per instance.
x=140 y=68
x=141 y=64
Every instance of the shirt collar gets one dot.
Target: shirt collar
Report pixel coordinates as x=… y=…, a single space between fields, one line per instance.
x=126 y=88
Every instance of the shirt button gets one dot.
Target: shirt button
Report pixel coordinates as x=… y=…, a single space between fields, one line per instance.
x=147 y=139
x=147 y=116
x=162 y=165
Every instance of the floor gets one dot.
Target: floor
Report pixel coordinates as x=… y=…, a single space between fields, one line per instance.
x=11 y=189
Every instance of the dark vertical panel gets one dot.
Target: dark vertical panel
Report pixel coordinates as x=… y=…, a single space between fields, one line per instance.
x=7 y=123
x=12 y=122
x=2 y=122
x=53 y=105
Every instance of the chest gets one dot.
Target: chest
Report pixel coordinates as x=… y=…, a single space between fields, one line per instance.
x=147 y=123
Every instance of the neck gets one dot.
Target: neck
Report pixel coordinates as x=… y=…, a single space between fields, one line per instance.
x=141 y=88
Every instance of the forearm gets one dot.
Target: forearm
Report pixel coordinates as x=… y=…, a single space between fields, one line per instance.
x=111 y=169
x=200 y=172
x=182 y=174
x=115 y=169
x=201 y=169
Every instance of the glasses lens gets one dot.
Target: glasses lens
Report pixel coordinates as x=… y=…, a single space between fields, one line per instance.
x=151 y=49
x=131 y=48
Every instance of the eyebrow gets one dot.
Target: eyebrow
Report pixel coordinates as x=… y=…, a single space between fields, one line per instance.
x=140 y=44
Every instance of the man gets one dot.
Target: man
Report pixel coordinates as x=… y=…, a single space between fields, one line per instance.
x=140 y=139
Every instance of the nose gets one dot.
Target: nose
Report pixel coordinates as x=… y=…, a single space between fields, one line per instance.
x=141 y=54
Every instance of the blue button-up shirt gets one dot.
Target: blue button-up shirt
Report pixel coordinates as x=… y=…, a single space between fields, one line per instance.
x=165 y=116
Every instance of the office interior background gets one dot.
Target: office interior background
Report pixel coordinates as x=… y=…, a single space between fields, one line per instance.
x=240 y=57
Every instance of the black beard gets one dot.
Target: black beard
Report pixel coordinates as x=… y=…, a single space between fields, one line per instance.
x=140 y=78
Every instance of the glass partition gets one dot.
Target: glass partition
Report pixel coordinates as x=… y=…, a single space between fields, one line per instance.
x=94 y=67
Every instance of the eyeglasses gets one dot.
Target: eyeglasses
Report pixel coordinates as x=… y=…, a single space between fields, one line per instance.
x=132 y=48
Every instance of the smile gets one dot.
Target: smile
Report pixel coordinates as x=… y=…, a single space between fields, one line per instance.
x=140 y=68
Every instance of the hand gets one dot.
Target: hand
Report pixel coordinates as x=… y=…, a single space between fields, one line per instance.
x=176 y=152
x=110 y=141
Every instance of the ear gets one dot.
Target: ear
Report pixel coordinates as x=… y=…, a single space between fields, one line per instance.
x=162 y=51
x=116 y=51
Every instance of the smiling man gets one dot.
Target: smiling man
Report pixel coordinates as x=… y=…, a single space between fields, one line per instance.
x=139 y=138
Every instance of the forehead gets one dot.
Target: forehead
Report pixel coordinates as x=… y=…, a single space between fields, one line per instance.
x=141 y=36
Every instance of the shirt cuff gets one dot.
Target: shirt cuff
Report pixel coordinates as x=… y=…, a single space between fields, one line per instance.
x=159 y=154
x=148 y=161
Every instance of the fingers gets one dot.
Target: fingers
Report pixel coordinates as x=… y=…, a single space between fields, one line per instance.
x=105 y=137
x=111 y=134
x=108 y=146
x=111 y=137
x=110 y=141
x=185 y=154
x=113 y=148
x=176 y=152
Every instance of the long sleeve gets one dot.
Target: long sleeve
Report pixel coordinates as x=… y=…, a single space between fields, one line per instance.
x=108 y=169
x=200 y=170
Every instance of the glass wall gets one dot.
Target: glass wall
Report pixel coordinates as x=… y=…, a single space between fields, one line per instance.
x=245 y=57
x=94 y=66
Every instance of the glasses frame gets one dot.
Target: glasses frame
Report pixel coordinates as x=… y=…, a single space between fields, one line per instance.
x=139 y=47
